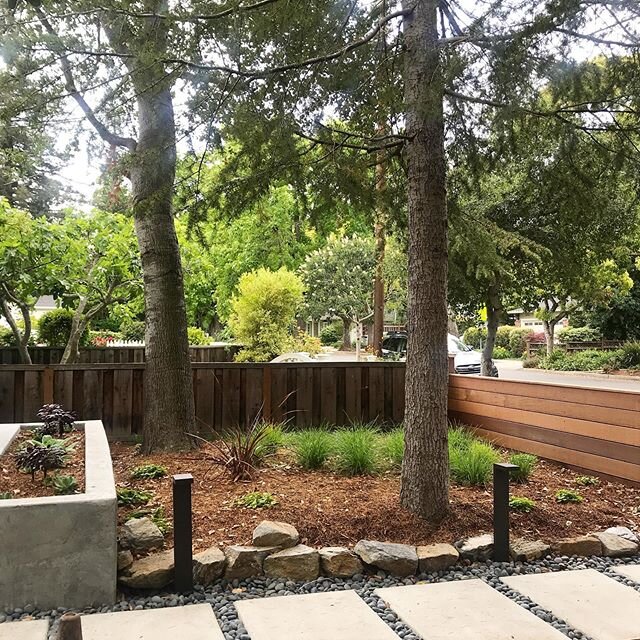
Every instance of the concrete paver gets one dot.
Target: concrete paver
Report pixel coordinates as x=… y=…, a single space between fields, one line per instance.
x=631 y=571
x=465 y=610
x=339 y=615
x=587 y=600
x=192 y=622
x=24 y=630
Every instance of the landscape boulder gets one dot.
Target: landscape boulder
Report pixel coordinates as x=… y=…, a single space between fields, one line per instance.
x=436 y=557
x=614 y=546
x=245 y=561
x=125 y=559
x=140 y=534
x=624 y=532
x=152 y=572
x=275 y=534
x=296 y=563
x=339 y=562
x=477 y=548
x=397 y=559
x=528 y=550
x=208 y=566
x=578 y=546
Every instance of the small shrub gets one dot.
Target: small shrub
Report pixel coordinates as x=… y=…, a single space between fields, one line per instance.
x=7 y=338
x=566 y=495
x=103 y=338
x=392 y=448
x=312 y=448
x=55 y=420
x=54 y=328
x=587 y=360
x=518 y=341
x=356 y=452
x=306 y=343
x=132 y=497
x=629 y=356
x=256 y=500
x=35 y=456
x=473 y=465
x=149 y=472
x=132 y=330
x=524 y=505
x=579 y=334
x=64 y=485
x=500 y=353
x=531 y=363
x=331 y=334
x=158 y=516
x=475 y=337
x=6 y=495
x=198 y=336
x=587 y=481
x=526 y=464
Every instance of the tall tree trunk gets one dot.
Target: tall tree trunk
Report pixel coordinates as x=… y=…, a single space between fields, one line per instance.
x=379 y=230
x=549 y=327
x=346 y=334
x=169 y=413
x=425 y=470
x=22 y=340
x=494 y=309
x=71 y=353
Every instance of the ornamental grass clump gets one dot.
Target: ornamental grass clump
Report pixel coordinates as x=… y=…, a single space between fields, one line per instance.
x=356 y=451
x=473 y=466
x=526 y=464
x=312 y=448
x=392 y=448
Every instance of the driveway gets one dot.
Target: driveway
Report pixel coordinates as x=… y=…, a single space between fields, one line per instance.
x=512 y=370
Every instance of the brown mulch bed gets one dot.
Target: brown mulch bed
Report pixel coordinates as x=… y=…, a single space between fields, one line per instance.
x=329 y=509
x=22 y=486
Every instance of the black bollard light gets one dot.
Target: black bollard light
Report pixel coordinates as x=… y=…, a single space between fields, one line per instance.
x=501 y=473
x=182 y=532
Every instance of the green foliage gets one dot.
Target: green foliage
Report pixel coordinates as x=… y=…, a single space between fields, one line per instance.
x=392 y=448
x=475 y=337
x=518 y=341
x=198 y=336
x=587 y=481
x=54 y=328
x=531 y=363
x=460 y=437
x=158 y=516
x=307 y=344
x=312 y=447
x=629 y=356
x=500 y=353
x=331 y=334
x=567 y=495
x=473 y=465
x=579 y=334
x=264 y=311
x=132 y=330
x=103 y=338
x=526 y=464
x=149 y=472
x=524 y=505
x=7 y=339
x=6 y=495
x=64 y=485
x=132 y=497
x=587 y=360
x=272 y=440
x=256 y=500
x=356 y=452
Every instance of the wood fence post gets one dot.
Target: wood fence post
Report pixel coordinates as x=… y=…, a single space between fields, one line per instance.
x=452 y=364
x=47 y=385
x=266 y=393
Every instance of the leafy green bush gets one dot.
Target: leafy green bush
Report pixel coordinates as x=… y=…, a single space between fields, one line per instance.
x=587 y=481
x=567 y=495
x=500 y=353
x=629 y=356
x=6 y=495
x=587 y=360
x=579 y=334
x=356 y=451
x=312 y=447
x=526 y=464
x=54 y=328
x=518 y=341
x=392 y=447
x=64 y=485
x=531 y=363
x=132 y=497
x=198 y=337
x=524 y=505
x=103 y=338
x=256 y=500
x=331 y=334
x=503 y=334
x=6 y=337
x=473 y=465
x=132 y=330
x=475 y=337
x=263 y=313
x=304 y=342
x=149 y=472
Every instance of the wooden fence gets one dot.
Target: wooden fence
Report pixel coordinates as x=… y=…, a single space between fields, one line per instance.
x=593 y=429
x=114 y=355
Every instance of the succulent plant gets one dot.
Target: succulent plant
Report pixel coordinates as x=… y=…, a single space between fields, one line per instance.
x=55 y=420
x=35 y=457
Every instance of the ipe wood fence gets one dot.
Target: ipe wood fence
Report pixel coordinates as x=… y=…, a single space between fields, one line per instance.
x=594 y=429
x=114 y=355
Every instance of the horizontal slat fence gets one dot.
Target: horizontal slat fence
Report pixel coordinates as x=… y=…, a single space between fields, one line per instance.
x=114 y=355
x=593 y=429
x=226 y=394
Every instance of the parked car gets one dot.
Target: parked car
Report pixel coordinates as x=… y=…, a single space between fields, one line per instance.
x=466 y=359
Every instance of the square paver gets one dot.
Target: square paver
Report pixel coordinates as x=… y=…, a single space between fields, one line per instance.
x=24 y=630
x=465 y=610
x=191 y=622
x=631 y=571
x=586 y=599
x=339 y=615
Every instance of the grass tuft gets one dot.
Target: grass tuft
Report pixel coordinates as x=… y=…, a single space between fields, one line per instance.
x=474 y=465
x=526 y=464
x=356 y=450
x=392 y=448
x=312 y=447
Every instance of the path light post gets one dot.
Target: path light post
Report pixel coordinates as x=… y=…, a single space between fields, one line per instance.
x=70 y=627
x=182 y=532
x=501 y=473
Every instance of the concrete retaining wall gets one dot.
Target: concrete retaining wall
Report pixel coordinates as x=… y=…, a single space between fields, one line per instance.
x=60 y=551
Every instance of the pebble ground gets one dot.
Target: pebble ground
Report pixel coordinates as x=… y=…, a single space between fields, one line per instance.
x=223 y=594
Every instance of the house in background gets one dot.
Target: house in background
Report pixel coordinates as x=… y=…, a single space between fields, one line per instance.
x=528 y=320
x=42 y=306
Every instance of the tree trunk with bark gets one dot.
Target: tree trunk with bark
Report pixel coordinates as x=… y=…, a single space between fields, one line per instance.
x=549 y=328
x=346 y=334
x=22 y=339
x=425 y=469
x=79 y=323
x=494 y=309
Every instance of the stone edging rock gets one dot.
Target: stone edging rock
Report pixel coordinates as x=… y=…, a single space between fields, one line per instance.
x=276 y=553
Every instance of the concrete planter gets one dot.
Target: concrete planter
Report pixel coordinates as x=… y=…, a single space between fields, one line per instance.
x=61 y=551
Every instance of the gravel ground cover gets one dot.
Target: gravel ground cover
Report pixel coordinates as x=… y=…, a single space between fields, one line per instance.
x=223 y=593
